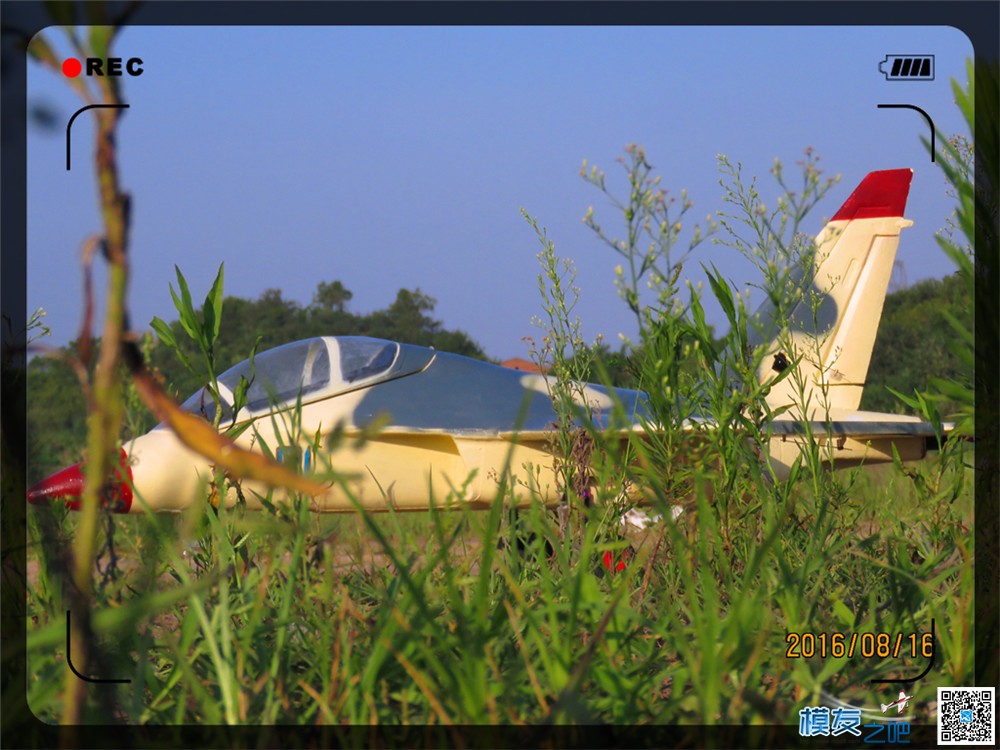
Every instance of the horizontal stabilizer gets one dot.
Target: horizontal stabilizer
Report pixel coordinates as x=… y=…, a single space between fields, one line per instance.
x=858 y=428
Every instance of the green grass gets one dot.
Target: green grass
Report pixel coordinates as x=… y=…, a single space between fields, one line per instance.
x=420 y=618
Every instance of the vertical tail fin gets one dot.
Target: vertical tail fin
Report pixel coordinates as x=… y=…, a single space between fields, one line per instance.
x=831 y=331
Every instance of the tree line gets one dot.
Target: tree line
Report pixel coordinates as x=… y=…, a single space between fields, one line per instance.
x=912 y=346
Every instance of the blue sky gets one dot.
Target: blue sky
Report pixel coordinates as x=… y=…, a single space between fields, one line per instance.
x=401 y=157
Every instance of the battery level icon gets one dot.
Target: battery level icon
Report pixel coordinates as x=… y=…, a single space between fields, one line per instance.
x=907 y=67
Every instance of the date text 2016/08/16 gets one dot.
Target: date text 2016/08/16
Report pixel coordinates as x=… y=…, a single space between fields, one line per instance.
x=867 y=645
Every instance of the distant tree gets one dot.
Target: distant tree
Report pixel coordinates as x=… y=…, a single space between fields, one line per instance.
x=406 y=319
x=277 y=316
x=56 y=417
x=912 y=345
x=333 y=296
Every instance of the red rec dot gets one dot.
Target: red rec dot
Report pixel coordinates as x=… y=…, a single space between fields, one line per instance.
x=71 y=67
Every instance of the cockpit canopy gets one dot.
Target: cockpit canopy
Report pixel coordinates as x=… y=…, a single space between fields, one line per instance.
x=313 y=369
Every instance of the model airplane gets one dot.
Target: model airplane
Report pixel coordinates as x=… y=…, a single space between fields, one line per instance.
x=899 y=703
x=452 y=424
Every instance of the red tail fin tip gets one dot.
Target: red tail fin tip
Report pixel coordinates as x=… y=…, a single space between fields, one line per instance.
x=879 y=194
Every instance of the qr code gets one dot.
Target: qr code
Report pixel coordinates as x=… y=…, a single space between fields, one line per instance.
x=966 y=715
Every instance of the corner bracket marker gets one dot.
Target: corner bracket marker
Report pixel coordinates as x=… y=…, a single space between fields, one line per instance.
x=84 y=109
x=69 y=661
x=926 y=117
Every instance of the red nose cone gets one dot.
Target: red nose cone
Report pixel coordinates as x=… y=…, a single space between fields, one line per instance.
x=65 y=483
x=68 y=483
